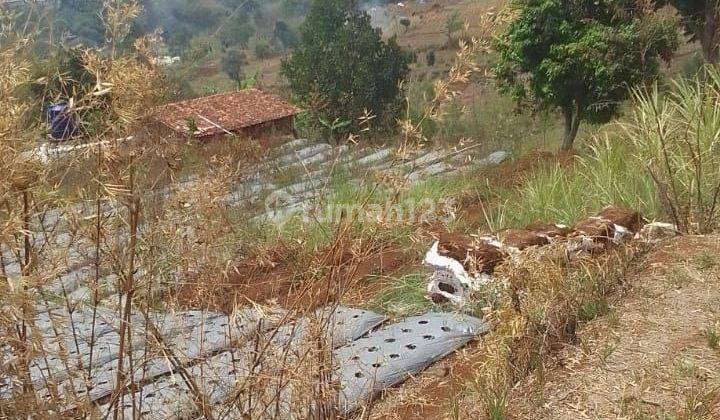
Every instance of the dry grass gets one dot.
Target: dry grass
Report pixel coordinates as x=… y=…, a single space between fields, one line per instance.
x=188 y=240
x=625 y=334
x=547 y=293
x=651 y=360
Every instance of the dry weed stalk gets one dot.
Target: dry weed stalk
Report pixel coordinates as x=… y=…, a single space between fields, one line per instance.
x=147 y=244
x=128 y=234
x=464 y=67
x=124 y=88
x=15 y=200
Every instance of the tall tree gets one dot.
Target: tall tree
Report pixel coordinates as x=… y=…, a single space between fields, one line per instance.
x=342 y=67
x=701 y=19
x=233 y=63
x=582 y=56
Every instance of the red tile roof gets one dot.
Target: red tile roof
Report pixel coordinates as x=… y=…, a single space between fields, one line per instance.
x=218 y=114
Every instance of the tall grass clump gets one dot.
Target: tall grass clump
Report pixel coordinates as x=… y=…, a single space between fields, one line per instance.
x=676 y=137
x=563 y=193
x=492 y=119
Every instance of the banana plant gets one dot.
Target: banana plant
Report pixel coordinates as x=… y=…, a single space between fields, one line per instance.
x=334 y=126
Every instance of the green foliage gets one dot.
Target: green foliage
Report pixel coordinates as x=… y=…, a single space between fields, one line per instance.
x=81 y=18
x=251 y=80
x=496 y=405
x=65 y=76
x=285 y=35
x=232 y=22
x=295 y=7
x=177 y=85
x=191 y=125
x=342 y=67
x=334 y=126
x=262 y=49
x=713 y=339
x=453 y=24
x=675 y=139
x=593 y=308
x=706 y=260
x=701 y=19
x=405 y=296
x=232 y=63
x=607 y=175
x=606 y=351
x=491 y=120
x=198 y=49
x=237 y=31
x=430 y=58
x=196 y=13
x=581 y=56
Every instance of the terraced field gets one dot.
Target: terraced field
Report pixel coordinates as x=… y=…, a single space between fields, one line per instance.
x=191 y=362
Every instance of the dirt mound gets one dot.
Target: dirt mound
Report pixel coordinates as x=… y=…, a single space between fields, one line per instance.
x=523 y=238
x=463 y=263
x=515 y=172
x=475 y=255
x=280 y=275
x=553 y=286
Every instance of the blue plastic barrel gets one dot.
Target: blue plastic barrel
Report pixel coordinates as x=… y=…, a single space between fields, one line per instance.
x=61 y=120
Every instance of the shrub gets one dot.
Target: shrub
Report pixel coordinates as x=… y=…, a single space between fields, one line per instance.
x=237 y=31
x=233 y=63
x=453 y=24
x=284 y=33
x=675 y=136
x=430 y=58
x=263 y=50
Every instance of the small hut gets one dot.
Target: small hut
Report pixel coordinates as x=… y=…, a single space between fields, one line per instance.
x=250 y=113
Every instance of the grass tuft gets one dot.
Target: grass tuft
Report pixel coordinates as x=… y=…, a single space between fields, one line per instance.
x=713 y=338
x=565 y=193
x=404 y=296
x=496 y=406
x=706 y=260
x=675 y=139
x=606 y=351
x=594 y=308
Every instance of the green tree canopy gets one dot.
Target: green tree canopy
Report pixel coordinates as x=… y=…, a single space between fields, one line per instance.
x=237 y=31
x=582 y=56
x=342 y=67
x=295 y=7
x=283 y=33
